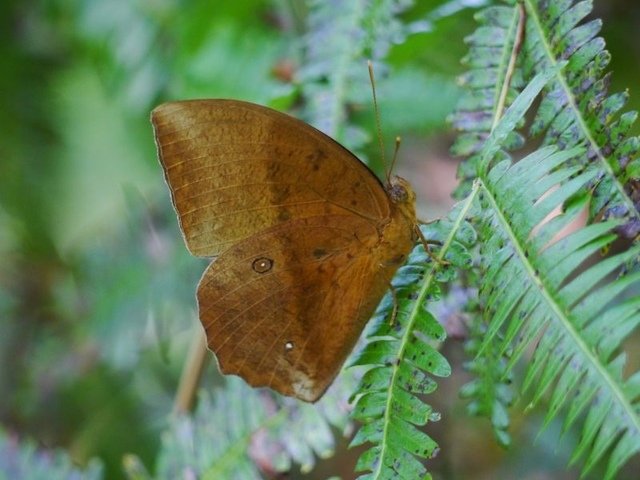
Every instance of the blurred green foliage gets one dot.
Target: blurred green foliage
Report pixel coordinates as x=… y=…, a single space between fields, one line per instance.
x=96 y=287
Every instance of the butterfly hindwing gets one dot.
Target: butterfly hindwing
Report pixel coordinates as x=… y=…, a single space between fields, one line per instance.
x=284 y=308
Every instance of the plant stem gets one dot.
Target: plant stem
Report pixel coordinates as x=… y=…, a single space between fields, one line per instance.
x=191 y=373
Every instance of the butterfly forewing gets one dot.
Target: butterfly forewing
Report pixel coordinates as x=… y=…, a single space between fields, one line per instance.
x=236 y=168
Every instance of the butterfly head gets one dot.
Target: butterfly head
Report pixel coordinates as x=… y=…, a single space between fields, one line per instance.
x=400 y=191
x=403 y=200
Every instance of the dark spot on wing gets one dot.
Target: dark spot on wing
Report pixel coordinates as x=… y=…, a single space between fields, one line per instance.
x=319 y=253
x=262 y=265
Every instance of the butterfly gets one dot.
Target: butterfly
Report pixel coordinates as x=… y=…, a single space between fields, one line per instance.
x=306 y=238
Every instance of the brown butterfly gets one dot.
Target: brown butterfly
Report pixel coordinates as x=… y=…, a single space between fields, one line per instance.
x=307 y=238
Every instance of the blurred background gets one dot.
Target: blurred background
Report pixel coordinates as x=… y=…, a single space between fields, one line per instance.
x=97 y=299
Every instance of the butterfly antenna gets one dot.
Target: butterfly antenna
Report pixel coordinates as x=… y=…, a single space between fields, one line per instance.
x=395 y=156
x=377 y=114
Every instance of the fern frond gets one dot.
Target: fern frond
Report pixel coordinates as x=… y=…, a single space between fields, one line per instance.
x=539 y=288
x=577 y=108
x=334 y=68
x=490 y=85
x=403 y=359
x=21 y=459
x=534 y=286
x=237 y=427
x=490 y=393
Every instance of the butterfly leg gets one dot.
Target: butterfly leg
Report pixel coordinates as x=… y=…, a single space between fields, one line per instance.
x=427 y=249
x=394 y=310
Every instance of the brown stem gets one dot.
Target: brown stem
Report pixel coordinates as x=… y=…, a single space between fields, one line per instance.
x=191 y=373
x=517 y=45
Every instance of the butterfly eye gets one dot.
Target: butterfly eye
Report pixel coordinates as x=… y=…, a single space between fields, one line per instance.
x=398 y=193
x=262 y=265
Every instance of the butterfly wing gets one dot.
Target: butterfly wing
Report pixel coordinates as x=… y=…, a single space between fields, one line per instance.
x=235 y=169
x=284 y=308
x=296 y=222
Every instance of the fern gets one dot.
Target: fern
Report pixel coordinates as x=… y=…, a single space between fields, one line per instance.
x=562 y=303
x=568 y=307
x=334 y=50
x=237 y=428
x=560 y=300
x=557 y=301
x=555 y=297
x=492 y=83
x=490 y=86
x=24 y=460
x=490 y=393
x=577 y=109
x=403 y=359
